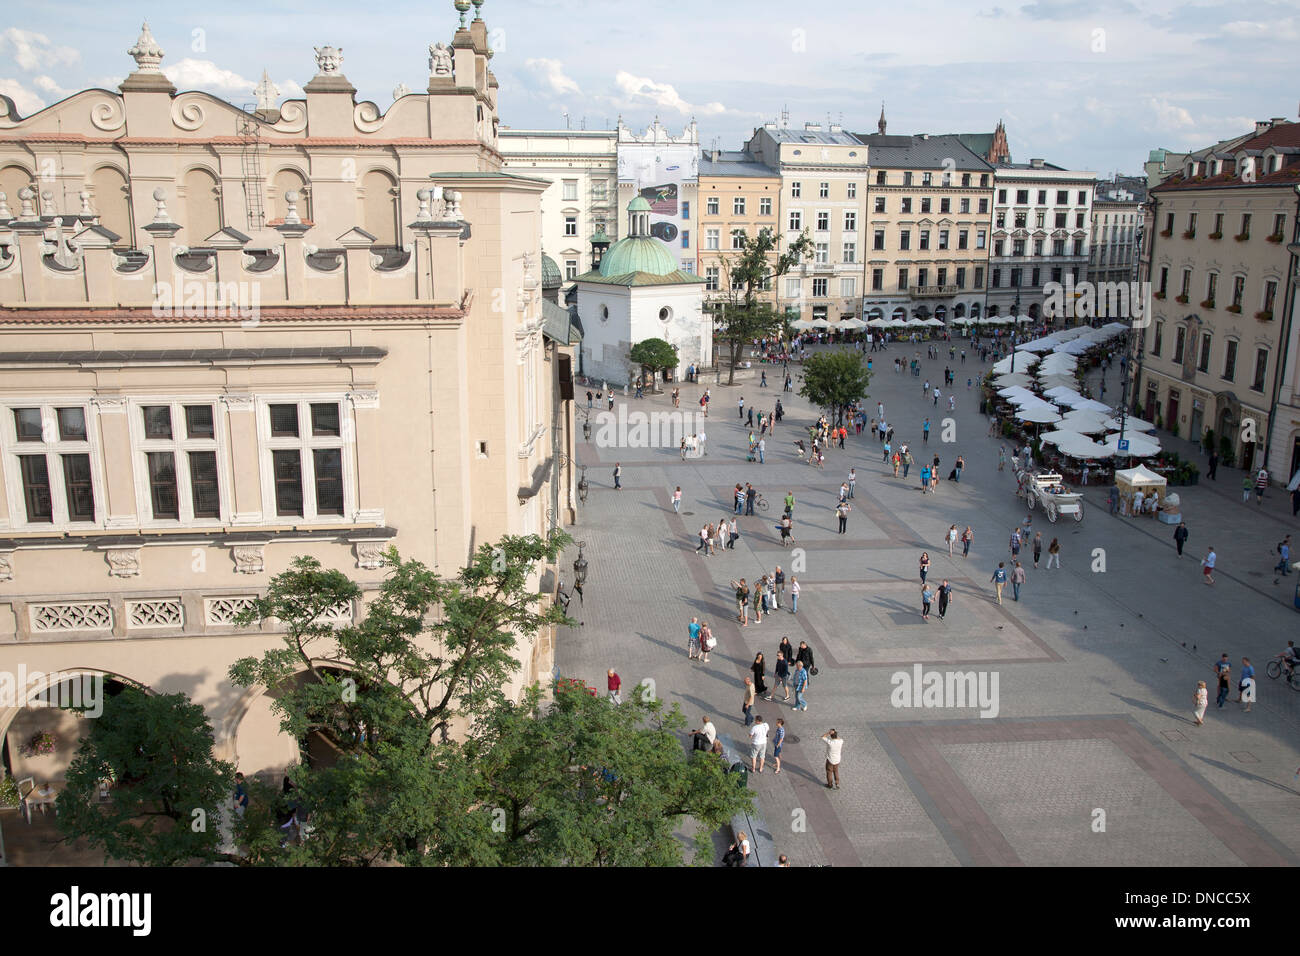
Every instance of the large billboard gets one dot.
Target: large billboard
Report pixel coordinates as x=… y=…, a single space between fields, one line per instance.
x=659 y=166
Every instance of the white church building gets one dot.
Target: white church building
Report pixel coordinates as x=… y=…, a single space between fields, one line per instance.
x=637 y=292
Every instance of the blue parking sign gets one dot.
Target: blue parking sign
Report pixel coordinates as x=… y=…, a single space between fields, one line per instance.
x=1123 y=444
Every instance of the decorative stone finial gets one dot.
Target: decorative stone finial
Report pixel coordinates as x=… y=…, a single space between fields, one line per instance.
x=267 y=93
x=291 y=216
x=147 y=53
x=462 y=7
x=28 y=197
x=424 y=214
x=439 y=60
x=400 y=90
x=328 y=60
x=478 y=9
x=452 y=196
x=47 y=202
x=5 y=215
x=161 y=214
x=86 y=211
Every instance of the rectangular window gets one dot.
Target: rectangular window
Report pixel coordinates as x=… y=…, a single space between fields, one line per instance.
x=204 y=491
x=713 y=206
x=819 y=288
x=995 y=279
x=850 y=222
x=964 y=207
x=1164 y=280
x=570 y=268
x=686 y=210
x=877 y=280
x=738 y=206
x=1203 y=359
x=737 y=239
x=848 y=288
x=711 y=274
x=941 y=277
x=329 y=480
x=286 y=467
x=1180 y=344
x=1279 y=225
x=965 y=179
x=981 y=239
x=979 y=277
x=1056 y=274
x=850 y=252
x=284 y=421
x=36 y=488
x=72 y=424
x=905 y=205
x=962 y=239
x=325 y=419
x=765 y=206
x=1022 y=197
x=925 y=204
x=961 y=277
x=1083 y=197
x=1078 y=220
x=796 y=220
x=822 y=253
x=1211 y=286
x=78 y=488
x=945 y=205
x=1238 y=291
x=27 y=422
x=570 y=190
x=711 y=238
x=157 y=422
x=162 y=485
x=1157 y=338
x=686 y=238
x=1261 y=370
x=902 y=280
x=905 y=239
x=853 y=190
x=880 y=204
x=1015 y=278
x=925 y=239
x=796 y=190
x=1187 y=283
x=984 y=205
x=927 y=179
x=943 y=238
x=823 y=221
x=1021 y=219
x=792 y=289
x=1245 y=226
x=1063 y=197
x=1034 y=276
x=1038 y=247
x=1191 y=226
x=1270 y=294
x=824 y=191
x=999 y=247
x=1061 y=220
x=922 y=278
x=570 y=225
x=878 y=240
x=198 y=421
x=1230 y=359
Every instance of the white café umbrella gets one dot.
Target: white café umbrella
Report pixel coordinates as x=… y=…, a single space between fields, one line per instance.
x=897 y=324
x=1020 y=362
x=802 y=325
x=1008 y=379
x=1085 y=423
x=1131 y=424
x=1010 y=392
x=1039 y=414
x=1077 y=446
x=1023 y=319
x=1063 y=392
x=819 y=324
x=932 y=321
x=851 y=324
x=1092 y=405
x=1139 y=445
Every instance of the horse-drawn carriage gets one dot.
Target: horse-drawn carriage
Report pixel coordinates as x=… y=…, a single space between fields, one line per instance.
x=1047 y=489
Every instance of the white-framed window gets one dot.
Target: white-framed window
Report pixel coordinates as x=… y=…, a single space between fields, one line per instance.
x=711 y=238
x=823 y=253
x=850 y=221
x=796 y=220
x=570 y=190
x=599 y=190
x=570 y=225
x=853 y=190
x=738 y=239
x=848 y=288
x=819 y=288
x=570 y=268
x=711 y=276
x=712 y=206
x=792 y=289
x=824 y=191
x=179 y=465
x=796 y=190
x=850 y=252
x=738 y=205
x=823 y=220
x=54 y=474
x=765 y=206
x=307 y=470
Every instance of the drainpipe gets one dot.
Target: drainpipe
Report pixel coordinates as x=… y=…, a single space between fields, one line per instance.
x=1292 y=276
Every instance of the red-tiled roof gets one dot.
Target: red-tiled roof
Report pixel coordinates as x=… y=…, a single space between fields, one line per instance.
x=1282 y=135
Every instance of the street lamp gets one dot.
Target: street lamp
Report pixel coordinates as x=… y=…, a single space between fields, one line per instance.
x=583 y=487
x=586 y=425
x=580 y=567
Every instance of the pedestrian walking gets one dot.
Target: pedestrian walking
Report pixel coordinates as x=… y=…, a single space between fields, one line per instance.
x=1014 y=545
x=742 y=602
x=740 y=406
x=1017 y=579
x=924 y=565
x=1207 y=565
x=925 y=479
x=757 y=745
x=1180 y=537
x=1214 y=466
x=778 y=740
x=762 y=447
x=759 y=670
x=1054 y=554
x=834 y=751
x=999 y=579
x=907 y=461
x=952 y=538
x=1223 y=668
x=786 y=650
x=693 y=639
x=1038 y=546
x=967 y=537
x=927 y=596
x=794 y=593
x=677 y=500
x=1002 y=457
x=613 y=683
x=1261 y=482
x=707 y=641
x=805 y=656
x=925 y=432
x=747 y=703
x=800 y=685
x=1246 y=485
x=1247 y=674
x=618 y=476
x=945 y=596
x=1201 y=701
x=853 y=481
x=1283 y=565
x=842 y=513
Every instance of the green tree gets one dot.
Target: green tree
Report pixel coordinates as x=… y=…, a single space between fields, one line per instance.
x=834 y=380
x=654 y=355
x=168 y=790
x=742 y=317
x=586 y=782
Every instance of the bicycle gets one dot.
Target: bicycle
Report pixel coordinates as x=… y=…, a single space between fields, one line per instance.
x=760 y=503
x=1274 y=670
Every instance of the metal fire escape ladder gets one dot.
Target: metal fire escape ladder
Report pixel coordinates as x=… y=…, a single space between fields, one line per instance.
x=250 y=157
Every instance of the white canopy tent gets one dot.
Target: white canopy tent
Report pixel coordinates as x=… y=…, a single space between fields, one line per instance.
x=1140 y=477
x=1092 y=405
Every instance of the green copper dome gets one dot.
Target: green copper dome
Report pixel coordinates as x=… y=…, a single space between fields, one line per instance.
x=638 y=254
x=638 y=204
x=552 y=278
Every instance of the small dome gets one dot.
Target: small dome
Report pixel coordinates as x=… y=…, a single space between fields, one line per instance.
x=638 y=204
x=638 y=254
x=552 y=278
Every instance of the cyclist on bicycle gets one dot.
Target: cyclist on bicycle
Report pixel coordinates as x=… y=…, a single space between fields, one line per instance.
x=1290 y=658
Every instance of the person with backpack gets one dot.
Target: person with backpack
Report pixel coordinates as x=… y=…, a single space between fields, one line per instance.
x=1284 y=552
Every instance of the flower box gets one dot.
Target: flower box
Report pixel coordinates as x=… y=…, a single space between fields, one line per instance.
x=1207 y=304
x=1242 y=237
x=1181 y=298
x=1276 y=237
x=1235 y=309
x=41 y=743
x=1166 y=233
x=1159 y=295
x=1265 y=315
x=1216 y=235
x=1189 y=234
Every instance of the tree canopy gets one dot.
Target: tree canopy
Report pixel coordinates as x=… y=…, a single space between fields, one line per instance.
x=654 y=355
x=835 y=379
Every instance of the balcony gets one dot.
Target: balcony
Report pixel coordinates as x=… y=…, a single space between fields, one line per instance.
x=933 y=291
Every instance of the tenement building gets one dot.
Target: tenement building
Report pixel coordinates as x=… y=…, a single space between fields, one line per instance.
x=1116 y=234
x=929 y=220
x=1041 y=223
x=229 y=339
x=739 y=198
x=1223 y=279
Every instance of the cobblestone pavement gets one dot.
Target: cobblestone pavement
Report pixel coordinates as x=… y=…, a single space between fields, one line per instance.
x=1092 y=758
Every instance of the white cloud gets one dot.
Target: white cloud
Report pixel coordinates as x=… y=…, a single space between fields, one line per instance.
x=49 y=85
x=1253 y=30
x=191 y=74
x=551 y=74
x=290 y=90
x=32 y=51
x=27 y=101
x=1168 y=117
x=643 y=91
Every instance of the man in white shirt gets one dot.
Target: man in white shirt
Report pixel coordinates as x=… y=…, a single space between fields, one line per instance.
x=834 y=747
x=708 y=732
x=757 y=745
x=702 y=438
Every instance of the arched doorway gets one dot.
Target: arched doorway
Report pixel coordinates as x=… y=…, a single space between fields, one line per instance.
x=974 y=310
x=993 y=311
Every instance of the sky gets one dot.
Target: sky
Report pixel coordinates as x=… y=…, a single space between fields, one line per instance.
x=1086 y=84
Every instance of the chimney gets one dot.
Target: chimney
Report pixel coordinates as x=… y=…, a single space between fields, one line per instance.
x=812 y=127
x=1036 y=163
x=717 y=154
x=1261 y=126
